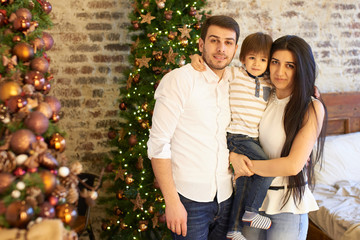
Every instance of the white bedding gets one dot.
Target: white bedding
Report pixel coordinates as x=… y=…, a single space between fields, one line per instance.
x=337 y=191
x=339 y=213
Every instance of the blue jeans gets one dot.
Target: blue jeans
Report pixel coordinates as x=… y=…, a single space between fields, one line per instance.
x=206 y=220
x=250 y=192
x=284 y=226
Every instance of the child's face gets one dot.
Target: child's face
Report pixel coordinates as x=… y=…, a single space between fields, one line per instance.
x=255 y=63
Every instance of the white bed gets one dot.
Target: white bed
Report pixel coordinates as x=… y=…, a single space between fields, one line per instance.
x=337 y=189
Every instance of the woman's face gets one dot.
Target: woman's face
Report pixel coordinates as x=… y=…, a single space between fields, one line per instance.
x=282 y=72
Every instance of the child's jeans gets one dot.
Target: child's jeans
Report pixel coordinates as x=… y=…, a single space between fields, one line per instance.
x=250 y=192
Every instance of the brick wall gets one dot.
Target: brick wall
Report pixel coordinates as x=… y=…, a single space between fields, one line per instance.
x=90 y=53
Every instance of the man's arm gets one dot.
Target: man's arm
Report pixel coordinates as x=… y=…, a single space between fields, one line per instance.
x=176 y=215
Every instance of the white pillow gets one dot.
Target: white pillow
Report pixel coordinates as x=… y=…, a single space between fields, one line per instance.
x=341 y=159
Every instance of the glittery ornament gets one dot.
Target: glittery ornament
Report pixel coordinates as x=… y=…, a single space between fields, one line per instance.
x=21 y=141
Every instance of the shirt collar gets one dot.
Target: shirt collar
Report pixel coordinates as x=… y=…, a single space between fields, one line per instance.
x=211 y=76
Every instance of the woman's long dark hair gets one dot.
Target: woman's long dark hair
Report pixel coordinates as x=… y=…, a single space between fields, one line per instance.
x=297 y=108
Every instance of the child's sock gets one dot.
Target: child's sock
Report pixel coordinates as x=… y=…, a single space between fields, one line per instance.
x=256 y=220
x=234 y=235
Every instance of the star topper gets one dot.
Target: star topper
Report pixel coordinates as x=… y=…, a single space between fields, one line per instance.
x=185 y=31
x=147 y=18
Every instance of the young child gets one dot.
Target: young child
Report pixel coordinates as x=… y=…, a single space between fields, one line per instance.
x=249 y=93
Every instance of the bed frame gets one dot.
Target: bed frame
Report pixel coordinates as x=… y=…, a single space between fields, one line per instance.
x=343 y=117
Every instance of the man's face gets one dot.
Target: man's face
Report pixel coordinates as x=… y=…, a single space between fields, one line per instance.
x=219 y=48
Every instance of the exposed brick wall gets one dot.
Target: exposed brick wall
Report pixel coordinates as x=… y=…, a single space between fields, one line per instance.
x=91 y=51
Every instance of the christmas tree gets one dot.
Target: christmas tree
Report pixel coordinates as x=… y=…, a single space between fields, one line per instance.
x=35 y=181
x=164 y=33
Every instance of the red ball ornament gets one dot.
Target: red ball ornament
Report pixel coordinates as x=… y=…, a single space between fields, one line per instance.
x=23 y=12
x=122 y=106
x=135 y=24
x=37 y=122
x=18 y=214
x=21 y=141
x=16 y=103
x=47 y=7
x=53 y=200
x=45 y=109
x=19 y=172
x=54 y=103
x=36 y=79
x=39 y=64
x=112 y=134
x=197 y=26
x=47 y=87
x=21 y=24
x=2 y=19
x=47 y=210
x=48 y=40
x=132 y=140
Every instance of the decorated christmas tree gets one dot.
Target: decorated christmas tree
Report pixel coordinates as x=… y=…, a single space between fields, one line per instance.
x=164 y=33
x=36 y=180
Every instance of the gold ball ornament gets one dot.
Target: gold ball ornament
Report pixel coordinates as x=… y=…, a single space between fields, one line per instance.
x=129 y=179
x=9 y=89
x=151 y=209
x=171 y=36
x=143 y=226
x=23 y=51
x=120 y=194
x=152 y=38
x=123 y=225
x=39 y=64
x=23 y=12
x=67 y=213
x=49 y=181
x=184 y=42
x=57 y=142
x=18 y=214
x=37 y=122
x=21 y=141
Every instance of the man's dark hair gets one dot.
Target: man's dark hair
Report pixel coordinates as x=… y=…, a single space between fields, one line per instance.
x=220 y=21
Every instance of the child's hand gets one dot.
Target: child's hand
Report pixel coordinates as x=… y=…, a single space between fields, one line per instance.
x=197 y=62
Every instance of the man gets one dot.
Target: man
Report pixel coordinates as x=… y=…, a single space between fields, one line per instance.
x=187 y=144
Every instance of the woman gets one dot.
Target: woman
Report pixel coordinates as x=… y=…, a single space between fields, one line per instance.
x=292 y=123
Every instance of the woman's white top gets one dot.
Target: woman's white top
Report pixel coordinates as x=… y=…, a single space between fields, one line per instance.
x=272 y=139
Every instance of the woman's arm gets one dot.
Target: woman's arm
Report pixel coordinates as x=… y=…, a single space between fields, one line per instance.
x=299 y=153
x=300 y=150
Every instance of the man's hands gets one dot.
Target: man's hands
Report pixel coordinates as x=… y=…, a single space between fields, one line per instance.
x=176 y=218
x=241 y=164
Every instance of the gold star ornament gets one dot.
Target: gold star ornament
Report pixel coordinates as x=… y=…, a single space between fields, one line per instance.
x=185 y=31
x=147 y=18
x=170 y=57
x=138 y=202
x=143 y=61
